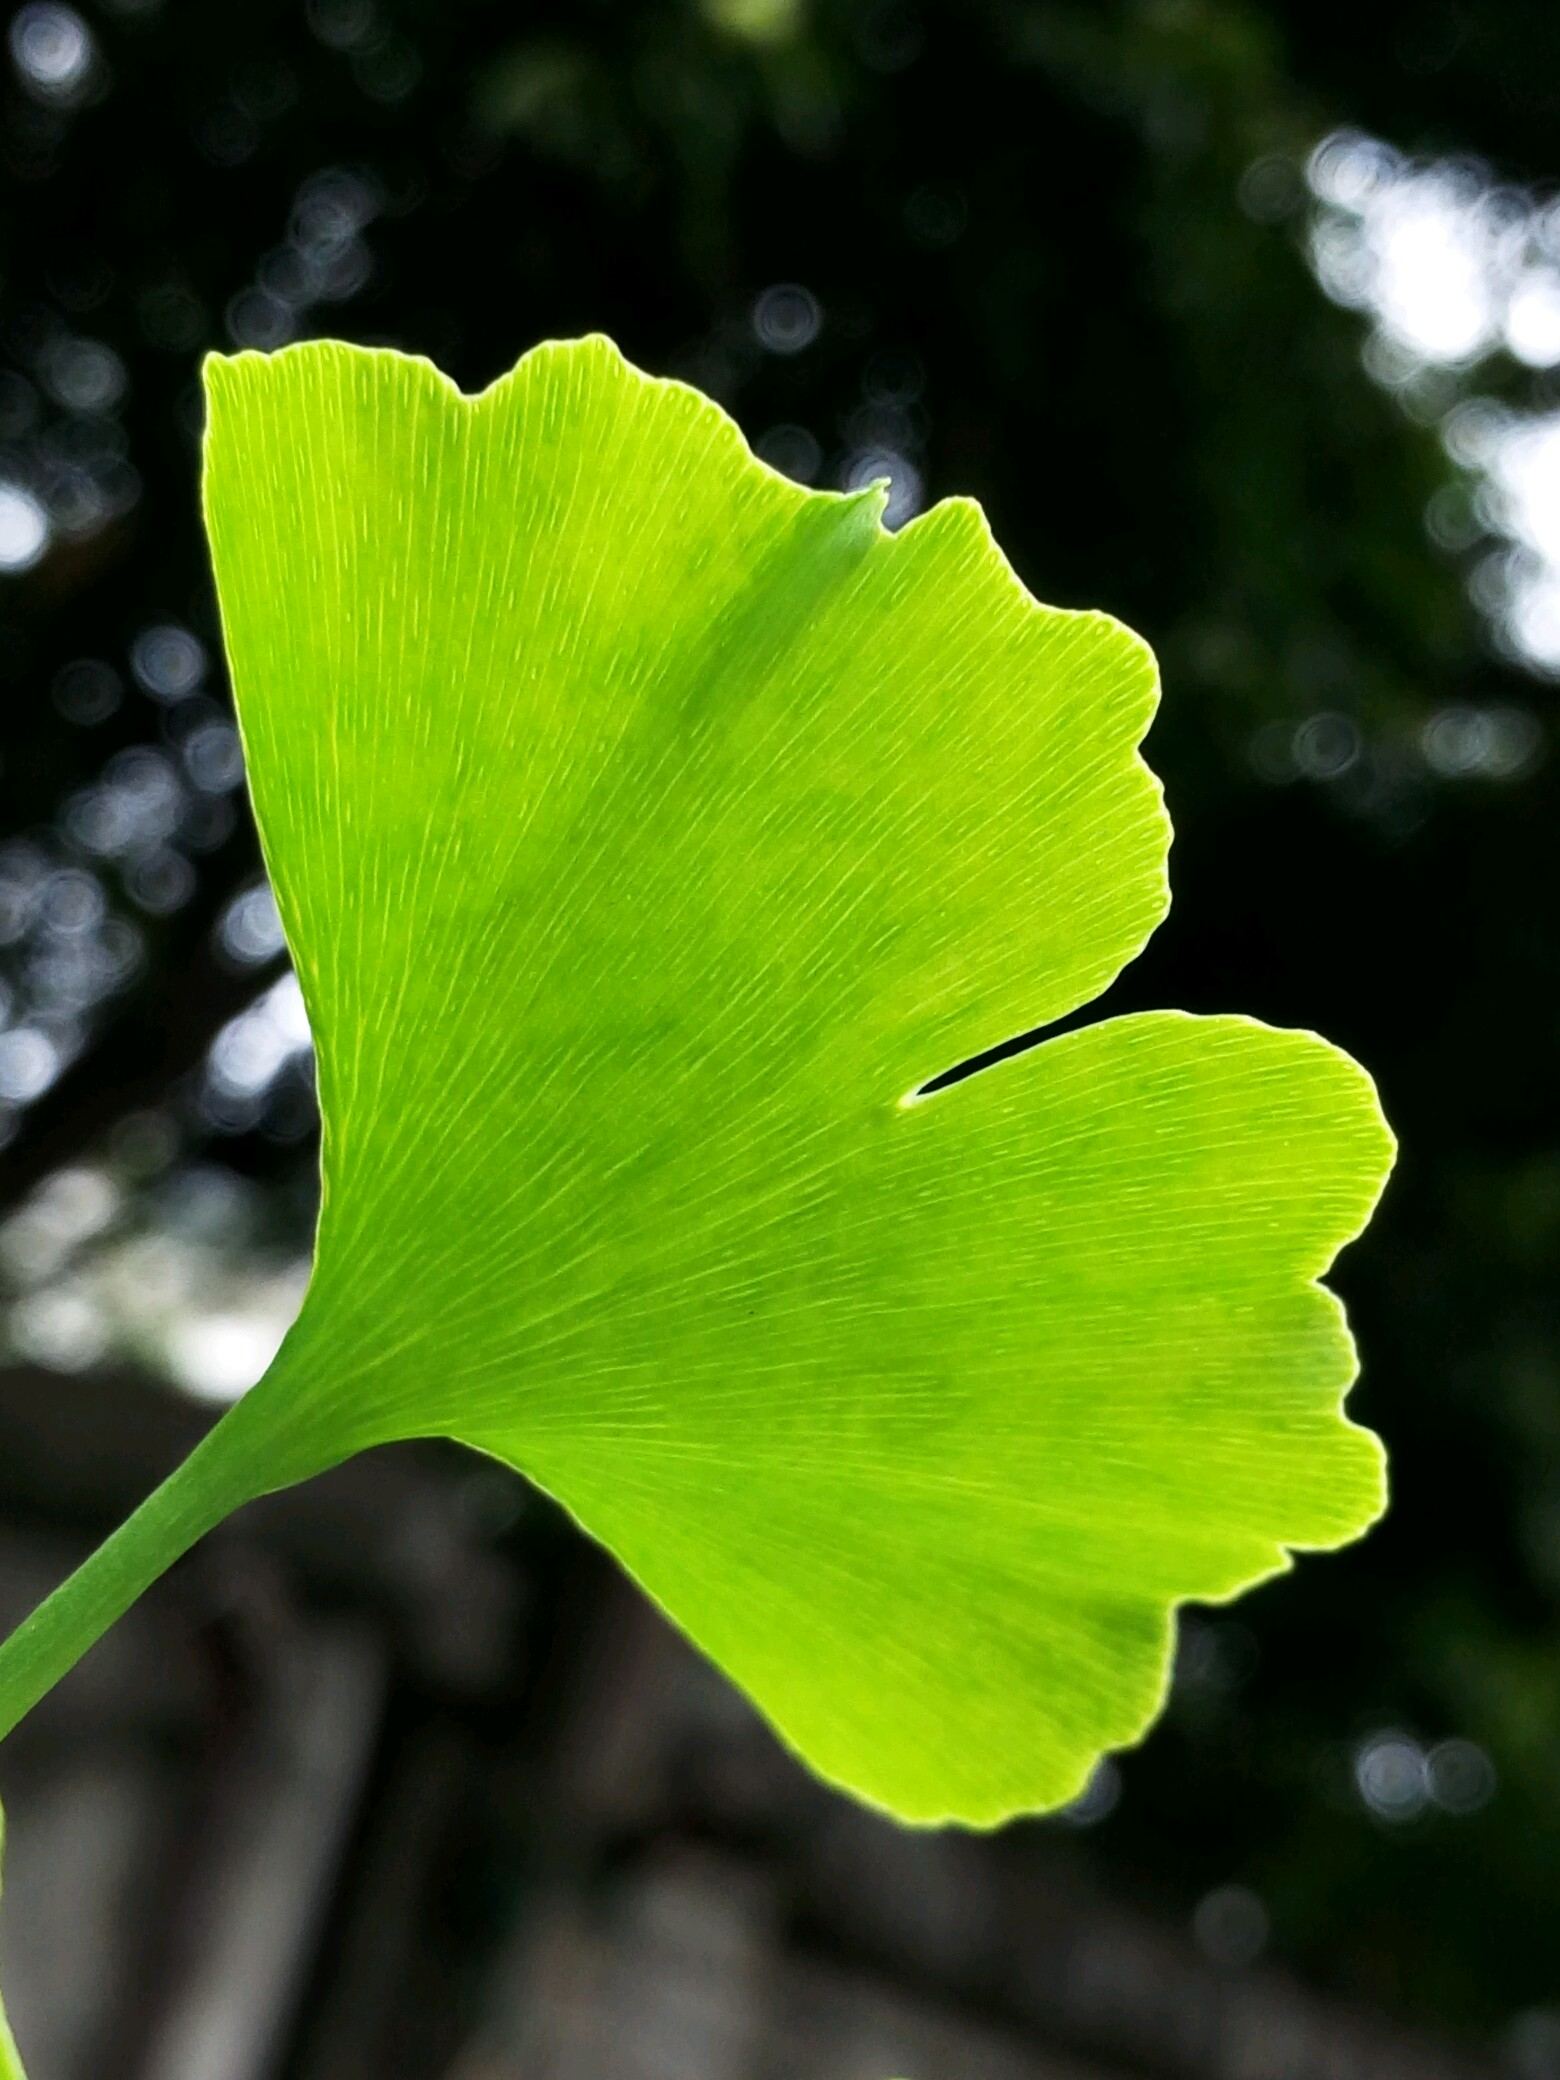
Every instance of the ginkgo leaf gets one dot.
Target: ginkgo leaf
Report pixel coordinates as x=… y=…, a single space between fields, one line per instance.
x=648 y=832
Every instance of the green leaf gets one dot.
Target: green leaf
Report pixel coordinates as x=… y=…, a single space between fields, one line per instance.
x=10 y=2057
x=647 y=832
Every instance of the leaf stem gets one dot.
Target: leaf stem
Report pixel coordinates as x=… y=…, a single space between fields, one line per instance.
x=10 y=2057
x=217 y=1476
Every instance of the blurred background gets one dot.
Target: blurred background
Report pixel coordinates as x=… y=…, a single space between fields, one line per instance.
x=1243 y=321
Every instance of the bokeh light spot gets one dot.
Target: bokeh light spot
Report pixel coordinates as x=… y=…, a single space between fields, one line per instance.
x=52 y=48
x=787 y=318
x=24 y=528
x=250 y=930
x=168 y=662
x=87 y=691
x=793 y=451
x=1392 y=1776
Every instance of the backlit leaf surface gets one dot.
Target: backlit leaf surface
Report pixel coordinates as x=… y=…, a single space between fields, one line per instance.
x=647 y=830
